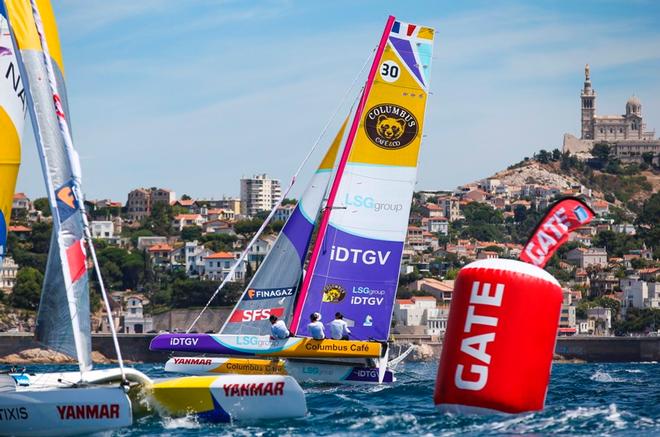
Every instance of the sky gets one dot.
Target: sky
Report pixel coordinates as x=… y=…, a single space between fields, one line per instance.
x=192 y=95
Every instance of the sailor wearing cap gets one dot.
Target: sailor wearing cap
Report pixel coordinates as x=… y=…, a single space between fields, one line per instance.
x=315 y=327
x=339 y=328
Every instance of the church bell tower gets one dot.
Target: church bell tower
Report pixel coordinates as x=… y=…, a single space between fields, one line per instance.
x=588 y=98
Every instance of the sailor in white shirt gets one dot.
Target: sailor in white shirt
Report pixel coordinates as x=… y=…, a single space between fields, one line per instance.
x=339 y=328
x=315 y=327
x=278 y=328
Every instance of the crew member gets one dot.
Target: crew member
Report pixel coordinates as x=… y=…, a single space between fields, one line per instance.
x=315 y=327
x=339 y=328
x=278 y=328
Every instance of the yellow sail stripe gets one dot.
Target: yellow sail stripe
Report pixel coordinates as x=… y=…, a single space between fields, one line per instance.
x=10 y=160
x=25 y=31
x=330 y=156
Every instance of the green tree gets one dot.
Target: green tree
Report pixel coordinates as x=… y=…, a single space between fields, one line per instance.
x=186 y=197
x=543 y=156
x=41 y=204
x=601 y=151
x=27 y=290
x=647 y=157
x=191 y=233
x=556 y=155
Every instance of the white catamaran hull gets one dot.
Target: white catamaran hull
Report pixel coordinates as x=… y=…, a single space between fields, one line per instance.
x=303 y=371
x=63 y=411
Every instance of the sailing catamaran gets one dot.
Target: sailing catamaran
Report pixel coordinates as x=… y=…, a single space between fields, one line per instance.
x=354 y=263
x=96 y=400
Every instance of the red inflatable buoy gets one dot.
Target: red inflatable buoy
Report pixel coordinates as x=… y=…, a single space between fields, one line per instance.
x=501 y=333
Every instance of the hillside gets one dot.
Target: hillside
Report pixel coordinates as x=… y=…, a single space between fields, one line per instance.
x=626 y=187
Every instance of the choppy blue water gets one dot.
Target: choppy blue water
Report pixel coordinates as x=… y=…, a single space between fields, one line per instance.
x=583 y=399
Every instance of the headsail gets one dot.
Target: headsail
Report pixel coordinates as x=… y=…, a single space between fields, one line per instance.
x=273 y=288
x=355 y=263
x=12 y=119
x=63 y=322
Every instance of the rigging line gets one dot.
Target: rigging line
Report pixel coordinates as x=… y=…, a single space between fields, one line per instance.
x=75 y=171
x=230 y=275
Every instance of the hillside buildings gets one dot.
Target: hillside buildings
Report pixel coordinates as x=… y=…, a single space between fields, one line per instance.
x=259 y=193
x=625 y=133
x=141 y=200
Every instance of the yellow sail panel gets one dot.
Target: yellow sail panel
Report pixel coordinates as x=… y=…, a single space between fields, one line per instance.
x=330 y=156
x=25 y=31
x=391 y=127
x=12 y=119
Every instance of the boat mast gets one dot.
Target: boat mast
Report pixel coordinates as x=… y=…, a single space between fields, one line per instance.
x=325 y=217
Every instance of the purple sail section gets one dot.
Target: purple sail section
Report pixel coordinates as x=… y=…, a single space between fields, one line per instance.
x=349 y=279
x=406 y=52
x=198 y=343
x=299 y=231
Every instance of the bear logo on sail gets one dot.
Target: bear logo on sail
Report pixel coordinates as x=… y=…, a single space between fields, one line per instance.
x=333 y=293
x=390 y=127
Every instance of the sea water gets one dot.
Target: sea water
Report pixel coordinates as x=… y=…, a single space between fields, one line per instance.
x=583 y=399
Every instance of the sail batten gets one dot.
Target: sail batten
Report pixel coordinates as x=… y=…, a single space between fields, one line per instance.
x=355 y=263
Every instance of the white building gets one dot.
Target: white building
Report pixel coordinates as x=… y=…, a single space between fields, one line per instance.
x=284 y=212
x=191 y=257
x=260 y=249
x=218 y=265
x=184 y=220
x=602 y=318
x=640 y=294
x=8 y=274
x=421 y=312
x=102 y=229
x=259 y=193
x=135 y=322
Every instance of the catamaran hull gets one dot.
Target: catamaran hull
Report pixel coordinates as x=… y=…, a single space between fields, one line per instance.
x=263 y=345
x=63 y=411
x=217 y=398
x=223 y=398
x=302 y=371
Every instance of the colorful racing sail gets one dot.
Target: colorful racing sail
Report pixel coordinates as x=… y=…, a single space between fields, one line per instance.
x=354 y=267
x=63 y=322
x=12 y=119
x=274 y=287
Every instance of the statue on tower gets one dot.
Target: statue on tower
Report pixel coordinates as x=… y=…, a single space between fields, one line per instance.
x=586 y=72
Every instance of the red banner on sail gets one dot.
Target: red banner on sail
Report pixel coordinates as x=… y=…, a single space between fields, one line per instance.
x=77 y=259
x=564 y=217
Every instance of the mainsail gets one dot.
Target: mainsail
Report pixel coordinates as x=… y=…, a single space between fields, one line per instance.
x=63 y=322
x=274 y=287
x=12 y=118
x=355 y=262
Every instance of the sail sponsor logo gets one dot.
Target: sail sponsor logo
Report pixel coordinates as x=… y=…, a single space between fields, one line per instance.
x=241 y=316
x=268 y=293
x=359 y=256
x=367 y=296
x=183 y=341
x=333 y=293
x=66 y=201
x=88 y=412
x=254 y=389
x=253 y=340
x=18 y=413
x=368 y=202
x=12 y=74
x=390 y=127
x=196 y=361
x=319 y=346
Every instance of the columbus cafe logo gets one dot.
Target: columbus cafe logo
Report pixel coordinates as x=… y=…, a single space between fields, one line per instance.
x=333 y=293
x=390 y=127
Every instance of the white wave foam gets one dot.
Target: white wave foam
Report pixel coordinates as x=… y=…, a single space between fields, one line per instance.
x=186 y=422
x=615 y=417
x=601 y=376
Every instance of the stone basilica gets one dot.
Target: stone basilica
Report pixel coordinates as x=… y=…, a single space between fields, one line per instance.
x=626 y=133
